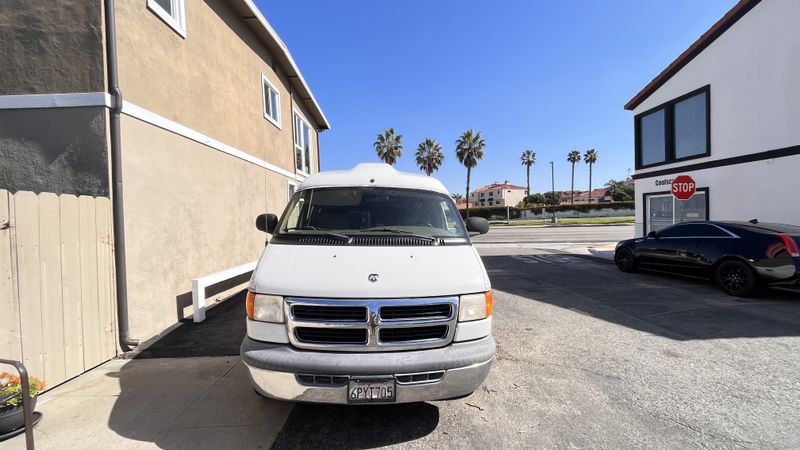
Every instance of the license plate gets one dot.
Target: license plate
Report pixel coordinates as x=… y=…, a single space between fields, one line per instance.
x=371 y=390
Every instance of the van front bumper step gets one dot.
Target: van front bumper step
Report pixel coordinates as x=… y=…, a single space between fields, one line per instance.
x=282 y=372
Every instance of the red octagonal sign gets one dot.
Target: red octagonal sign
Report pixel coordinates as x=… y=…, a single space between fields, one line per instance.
x=683 y=187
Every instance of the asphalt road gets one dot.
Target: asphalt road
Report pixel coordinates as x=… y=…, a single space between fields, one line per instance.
x=556 y=234
x=589 y=357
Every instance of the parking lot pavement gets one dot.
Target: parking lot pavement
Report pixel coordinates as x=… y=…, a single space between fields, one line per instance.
x=595 y=358
x=171 y=403
x=587 y=357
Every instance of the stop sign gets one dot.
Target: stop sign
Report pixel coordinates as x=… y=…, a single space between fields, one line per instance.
x=683 y=187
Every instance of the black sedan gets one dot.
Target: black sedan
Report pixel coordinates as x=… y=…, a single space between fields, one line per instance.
x=738 y=256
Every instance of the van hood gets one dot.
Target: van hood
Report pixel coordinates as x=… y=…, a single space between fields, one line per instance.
x=345 y=272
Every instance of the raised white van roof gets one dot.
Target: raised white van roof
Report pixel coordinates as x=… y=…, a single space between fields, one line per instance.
x=373 y=174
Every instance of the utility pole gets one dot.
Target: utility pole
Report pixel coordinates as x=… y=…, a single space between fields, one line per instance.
x=553 y=188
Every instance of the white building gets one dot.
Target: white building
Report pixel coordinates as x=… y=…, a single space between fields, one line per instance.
x=498 y=194
x=726 y=112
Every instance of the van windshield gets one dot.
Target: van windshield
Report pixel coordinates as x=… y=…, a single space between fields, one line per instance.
x=356 y=211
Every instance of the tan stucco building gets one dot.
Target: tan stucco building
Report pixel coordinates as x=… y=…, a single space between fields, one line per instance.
x=186 y=118
x=498 y=194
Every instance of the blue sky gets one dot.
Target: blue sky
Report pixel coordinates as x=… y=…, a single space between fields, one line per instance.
x=546 y=75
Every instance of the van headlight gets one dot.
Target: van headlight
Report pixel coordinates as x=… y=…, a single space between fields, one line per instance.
x=475 y=306
x=264 y=308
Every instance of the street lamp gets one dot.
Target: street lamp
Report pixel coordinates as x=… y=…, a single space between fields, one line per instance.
x=553 y=189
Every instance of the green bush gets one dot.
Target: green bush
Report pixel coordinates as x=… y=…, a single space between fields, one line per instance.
x=516 y=213
x=487 y=213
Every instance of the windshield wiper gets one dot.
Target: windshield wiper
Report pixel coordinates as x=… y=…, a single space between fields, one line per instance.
x=325 y=231
x=398 y=231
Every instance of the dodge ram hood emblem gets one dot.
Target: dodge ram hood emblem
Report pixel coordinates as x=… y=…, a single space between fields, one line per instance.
x=373 y=277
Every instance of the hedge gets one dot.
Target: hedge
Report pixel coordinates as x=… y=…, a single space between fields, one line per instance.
x=516 y=213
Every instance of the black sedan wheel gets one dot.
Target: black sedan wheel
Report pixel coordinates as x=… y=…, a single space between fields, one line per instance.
x=626 y=260
x=736 y=278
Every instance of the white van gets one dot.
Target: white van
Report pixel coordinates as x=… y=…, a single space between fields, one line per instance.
x=369 y=291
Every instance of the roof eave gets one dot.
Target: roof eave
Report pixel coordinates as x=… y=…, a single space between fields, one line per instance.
x=722 y=25
x=281 y=53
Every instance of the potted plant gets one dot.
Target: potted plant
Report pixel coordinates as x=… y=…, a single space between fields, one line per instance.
x=11 y=413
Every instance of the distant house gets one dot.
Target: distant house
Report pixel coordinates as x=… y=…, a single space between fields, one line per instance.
x=497 y=194
x=725 y=115
x=598 y=195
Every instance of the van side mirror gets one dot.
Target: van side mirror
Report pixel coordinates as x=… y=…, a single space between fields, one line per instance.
x=477 y=225
x=267 y=222
x=652 y=235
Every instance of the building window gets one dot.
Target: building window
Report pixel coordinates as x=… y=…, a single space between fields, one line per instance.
x=675 y=131
x=272 y=101
x=653 y=138
x=292 y=189
x=691 y=127
x=172 y=12
x=302 y=145
x=663 y=210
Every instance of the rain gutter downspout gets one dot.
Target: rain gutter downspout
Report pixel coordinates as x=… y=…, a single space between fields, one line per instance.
x=123 y=326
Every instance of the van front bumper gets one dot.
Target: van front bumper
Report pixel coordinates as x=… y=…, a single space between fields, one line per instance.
x=274 y=368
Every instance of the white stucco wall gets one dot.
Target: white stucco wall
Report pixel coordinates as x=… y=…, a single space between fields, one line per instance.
x=754 y=73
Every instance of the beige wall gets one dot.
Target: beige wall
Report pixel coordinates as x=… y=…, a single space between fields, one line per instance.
x=209 y=81
x=189 y=208
x=513 y=198
x=189 y=211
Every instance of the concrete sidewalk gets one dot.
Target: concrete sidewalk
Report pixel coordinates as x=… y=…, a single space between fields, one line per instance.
x=201 y=402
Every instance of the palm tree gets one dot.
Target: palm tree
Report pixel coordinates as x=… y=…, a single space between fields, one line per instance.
x=429 y=156
x=389 y=146
x=456 y=197
x=469 y=149
x=528 y=159
x=590 y=158
x=573 y=157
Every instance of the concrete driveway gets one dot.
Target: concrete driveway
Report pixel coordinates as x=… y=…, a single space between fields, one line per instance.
x=587 y=357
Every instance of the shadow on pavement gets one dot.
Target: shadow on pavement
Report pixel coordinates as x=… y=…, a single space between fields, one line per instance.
x=356 y=427
x=669 y=306
x=196 y=403
x=220 y=334
x=189 y=389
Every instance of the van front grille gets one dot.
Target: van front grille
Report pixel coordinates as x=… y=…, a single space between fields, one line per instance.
x=331 y=335
x=357 y=325
x=440 y=311
x=322 y=380
x=420 y=378
x=413 y=334
x=330 y=313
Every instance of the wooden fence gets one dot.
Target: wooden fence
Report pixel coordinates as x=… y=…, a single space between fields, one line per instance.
x=57 y=295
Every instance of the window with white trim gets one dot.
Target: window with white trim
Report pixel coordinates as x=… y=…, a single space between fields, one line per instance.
x=302 y=145
x=172 y=12
x=664 y=210
x=292 y=189
x=272 y=101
